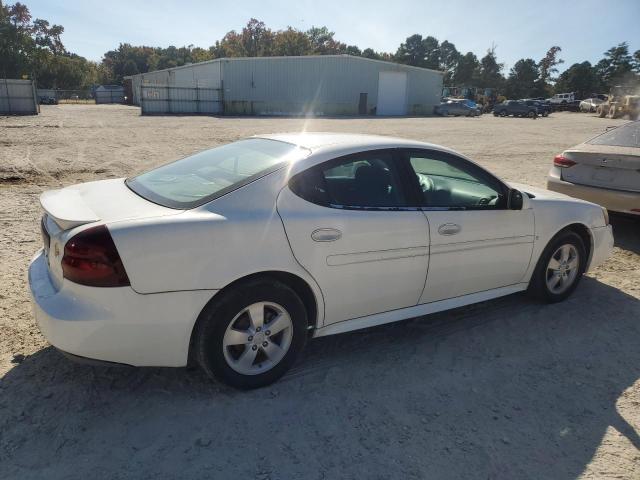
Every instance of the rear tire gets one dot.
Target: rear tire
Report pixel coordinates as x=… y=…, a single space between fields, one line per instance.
x=503 y=113
x=244 y=315
x=559 y=268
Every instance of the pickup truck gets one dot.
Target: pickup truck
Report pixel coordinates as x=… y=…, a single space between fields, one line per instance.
x=516 y=108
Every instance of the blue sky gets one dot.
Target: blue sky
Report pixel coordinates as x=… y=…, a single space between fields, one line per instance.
x=518 y=28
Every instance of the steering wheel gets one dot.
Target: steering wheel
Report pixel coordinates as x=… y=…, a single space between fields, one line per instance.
x=487 y=201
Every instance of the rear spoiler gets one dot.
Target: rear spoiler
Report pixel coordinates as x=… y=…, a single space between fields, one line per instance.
x=67 y=208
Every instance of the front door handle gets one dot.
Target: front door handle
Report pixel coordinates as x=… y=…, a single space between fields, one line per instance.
x=326 y=235
x=449 y=229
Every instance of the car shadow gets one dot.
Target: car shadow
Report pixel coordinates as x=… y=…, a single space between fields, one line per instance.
x=504 y=389
x=626 y=232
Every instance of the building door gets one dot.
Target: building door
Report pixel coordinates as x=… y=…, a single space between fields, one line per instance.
x=392 y=93
x=362 y=105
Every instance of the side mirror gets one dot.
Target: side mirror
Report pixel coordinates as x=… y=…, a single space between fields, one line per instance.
x=515 y=199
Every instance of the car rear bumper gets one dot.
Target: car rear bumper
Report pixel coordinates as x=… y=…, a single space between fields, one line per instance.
x=115 y=324
x=614 y=200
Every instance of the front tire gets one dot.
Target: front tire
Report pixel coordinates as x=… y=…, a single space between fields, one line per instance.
x=559 y=268
x=250 y=336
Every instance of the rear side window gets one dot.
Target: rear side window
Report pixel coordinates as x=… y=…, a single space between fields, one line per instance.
x=627 y=135
x=367 y=180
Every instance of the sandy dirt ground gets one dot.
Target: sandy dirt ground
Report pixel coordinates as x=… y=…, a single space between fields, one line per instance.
x=506 y=389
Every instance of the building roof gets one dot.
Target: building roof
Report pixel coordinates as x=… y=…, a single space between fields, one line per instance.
x=291 y=57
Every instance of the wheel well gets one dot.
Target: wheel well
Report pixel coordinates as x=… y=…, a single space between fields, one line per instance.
x=585 y=235
x=300 y=286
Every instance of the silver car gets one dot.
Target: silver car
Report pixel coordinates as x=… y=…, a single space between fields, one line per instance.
x=590 y=104
x=603 y=170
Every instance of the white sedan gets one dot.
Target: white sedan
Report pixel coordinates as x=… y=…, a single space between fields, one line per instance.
x=233 y=257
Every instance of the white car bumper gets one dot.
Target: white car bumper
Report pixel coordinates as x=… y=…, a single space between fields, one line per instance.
x=115 y=324
x=602 y=245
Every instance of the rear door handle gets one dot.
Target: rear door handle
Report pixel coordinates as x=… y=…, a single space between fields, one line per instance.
x=449 y=229
x=326 y=235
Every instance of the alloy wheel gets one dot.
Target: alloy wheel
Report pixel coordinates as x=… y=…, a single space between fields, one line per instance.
x=257 y=338
x=562 y=268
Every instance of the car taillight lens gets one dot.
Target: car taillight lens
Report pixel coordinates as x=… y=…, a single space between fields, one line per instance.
x=91 y=258
x=563 y=162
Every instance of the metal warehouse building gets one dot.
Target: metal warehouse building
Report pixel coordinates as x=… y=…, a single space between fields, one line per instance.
x=318 y=85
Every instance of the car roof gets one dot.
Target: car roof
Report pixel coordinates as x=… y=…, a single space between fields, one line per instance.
x=320 y=140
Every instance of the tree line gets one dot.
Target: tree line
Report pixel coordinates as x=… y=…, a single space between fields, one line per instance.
x=33 y=48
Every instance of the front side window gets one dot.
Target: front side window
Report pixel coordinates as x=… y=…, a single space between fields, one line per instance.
x=199 y=178
x=450 y=182
x=367 y=180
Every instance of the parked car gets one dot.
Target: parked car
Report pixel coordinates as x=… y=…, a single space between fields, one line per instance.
x=516 y=108
x=233 y=257
x=544 y=109
x=560 y=98
x=605 y=170
x=589 y=105
x=456 y=108
x=48 y=100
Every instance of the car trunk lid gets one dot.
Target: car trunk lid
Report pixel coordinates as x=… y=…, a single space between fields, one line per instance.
x=105 y=200
x=604 y=166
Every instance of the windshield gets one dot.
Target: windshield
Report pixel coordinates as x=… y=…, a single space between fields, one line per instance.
x=199 y=178
x=627 y=135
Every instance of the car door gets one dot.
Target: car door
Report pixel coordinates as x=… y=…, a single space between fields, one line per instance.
x=458 y=108
x=477 y=243
x=520 y=108
x=349 y=225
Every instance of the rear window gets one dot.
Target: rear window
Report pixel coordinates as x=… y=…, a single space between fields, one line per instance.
x=627 y=135
x=200 y=178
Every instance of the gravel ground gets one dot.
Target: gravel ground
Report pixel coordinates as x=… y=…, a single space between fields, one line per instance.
x=506 y=389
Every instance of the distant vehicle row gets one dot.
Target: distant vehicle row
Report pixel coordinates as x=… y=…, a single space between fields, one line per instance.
x=522 y=108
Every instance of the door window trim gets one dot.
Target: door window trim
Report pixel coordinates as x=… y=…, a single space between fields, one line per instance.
x=484 y=175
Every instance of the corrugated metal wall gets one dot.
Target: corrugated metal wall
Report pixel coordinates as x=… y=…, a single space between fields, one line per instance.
x=109 y=95
x=319 y=85
x=324 y=85
x=161 y=99
x=205 y=74
x=18 y=97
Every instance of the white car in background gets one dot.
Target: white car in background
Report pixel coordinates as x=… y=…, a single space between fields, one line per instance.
x=605 y=170
x=233 y=257
x=590 y=104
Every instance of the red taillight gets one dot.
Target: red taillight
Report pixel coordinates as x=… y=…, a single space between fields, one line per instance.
x=91 y=258
x=564 y=162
